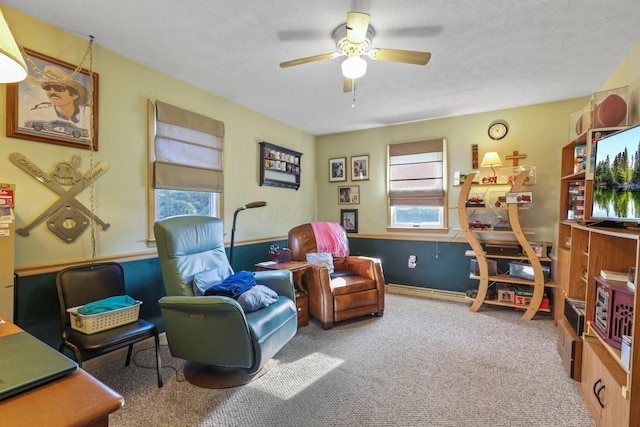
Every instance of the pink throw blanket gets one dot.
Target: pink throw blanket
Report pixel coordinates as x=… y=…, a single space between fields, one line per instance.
x=330 y=238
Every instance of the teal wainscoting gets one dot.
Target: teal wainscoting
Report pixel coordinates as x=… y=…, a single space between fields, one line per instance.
x=38 y=313
x=441 y=265
x=38 y=310
x=38 y=302
x=246 y=257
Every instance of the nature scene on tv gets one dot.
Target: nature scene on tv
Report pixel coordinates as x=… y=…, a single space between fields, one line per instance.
x=616 y=192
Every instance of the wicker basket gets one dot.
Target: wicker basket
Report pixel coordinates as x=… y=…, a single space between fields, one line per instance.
x=92 y=323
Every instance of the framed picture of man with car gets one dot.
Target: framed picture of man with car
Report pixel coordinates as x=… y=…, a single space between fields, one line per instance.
x=57 y=103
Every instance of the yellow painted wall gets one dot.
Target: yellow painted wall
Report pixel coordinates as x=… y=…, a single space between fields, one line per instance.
x=125 y=85
x=627 y=73
x=539 y=131
x=124 y=88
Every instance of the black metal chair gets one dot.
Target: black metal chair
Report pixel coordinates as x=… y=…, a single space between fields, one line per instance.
x=82 y=284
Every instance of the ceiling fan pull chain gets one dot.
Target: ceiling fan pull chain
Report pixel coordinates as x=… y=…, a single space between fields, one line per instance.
x=353 y=91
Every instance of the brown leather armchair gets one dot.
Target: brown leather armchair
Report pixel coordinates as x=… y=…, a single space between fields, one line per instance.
x=356 y=288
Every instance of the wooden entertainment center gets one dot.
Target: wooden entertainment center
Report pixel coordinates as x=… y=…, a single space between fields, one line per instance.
x=609 y=386
x=610 y=389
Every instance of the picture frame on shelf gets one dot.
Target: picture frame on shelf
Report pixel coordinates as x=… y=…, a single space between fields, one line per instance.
x=338 y=169
x=580 y=159
x=349 y=195
x=360 y=168
x=349 y=220
x=54 y=105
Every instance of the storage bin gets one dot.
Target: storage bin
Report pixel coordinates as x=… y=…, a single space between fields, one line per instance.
x=492 y=267
x=92 y=323
x=525 y=271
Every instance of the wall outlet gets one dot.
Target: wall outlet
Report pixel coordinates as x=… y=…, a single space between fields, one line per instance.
x=412 y=261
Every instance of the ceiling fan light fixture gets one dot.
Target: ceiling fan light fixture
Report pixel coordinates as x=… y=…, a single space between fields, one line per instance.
x=354 y=67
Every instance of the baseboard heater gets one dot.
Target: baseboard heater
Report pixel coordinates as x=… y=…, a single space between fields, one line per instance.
x=426 y=292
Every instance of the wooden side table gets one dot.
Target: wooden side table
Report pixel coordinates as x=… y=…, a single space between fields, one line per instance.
x=297 y=269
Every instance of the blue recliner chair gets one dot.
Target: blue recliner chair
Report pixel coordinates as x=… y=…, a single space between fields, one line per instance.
x=223 y=345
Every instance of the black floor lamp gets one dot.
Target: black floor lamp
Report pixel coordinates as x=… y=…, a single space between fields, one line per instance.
x=233 y=226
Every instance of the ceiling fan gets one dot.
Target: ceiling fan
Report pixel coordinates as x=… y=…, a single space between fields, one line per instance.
x=353 y=40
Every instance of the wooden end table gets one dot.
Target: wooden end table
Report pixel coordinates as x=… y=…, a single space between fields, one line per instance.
x=297 y=269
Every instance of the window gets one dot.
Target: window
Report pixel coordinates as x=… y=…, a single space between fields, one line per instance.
x=177 y=202
x=185 y=163
x=416 y=183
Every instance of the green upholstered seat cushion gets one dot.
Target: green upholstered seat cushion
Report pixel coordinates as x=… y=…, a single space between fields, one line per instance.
x=263 y=323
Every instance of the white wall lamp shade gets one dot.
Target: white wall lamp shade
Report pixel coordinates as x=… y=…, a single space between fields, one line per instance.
x=354 y=67
x=12 y=66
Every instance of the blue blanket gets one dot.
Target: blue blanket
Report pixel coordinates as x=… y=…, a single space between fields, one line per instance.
x=234 y=285
x=107 y=304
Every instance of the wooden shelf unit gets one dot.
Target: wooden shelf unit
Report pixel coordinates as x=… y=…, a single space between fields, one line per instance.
x=575 y=185
x=594 y=249
x=279 y=166
x=538 y=284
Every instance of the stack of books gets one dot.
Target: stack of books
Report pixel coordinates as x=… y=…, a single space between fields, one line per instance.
x=614 y=275
x=618 y=276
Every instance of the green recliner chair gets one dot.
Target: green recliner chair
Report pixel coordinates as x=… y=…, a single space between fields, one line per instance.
x=224 y=346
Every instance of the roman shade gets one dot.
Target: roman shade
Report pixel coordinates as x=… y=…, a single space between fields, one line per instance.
x=416 y=173
x=187 y=150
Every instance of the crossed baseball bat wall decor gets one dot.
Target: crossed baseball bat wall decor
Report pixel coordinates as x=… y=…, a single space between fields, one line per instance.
x=67 y=197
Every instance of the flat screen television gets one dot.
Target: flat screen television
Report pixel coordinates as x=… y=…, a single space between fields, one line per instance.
x=616 y=182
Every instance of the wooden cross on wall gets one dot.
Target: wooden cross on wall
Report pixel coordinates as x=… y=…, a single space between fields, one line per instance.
x=515 y=157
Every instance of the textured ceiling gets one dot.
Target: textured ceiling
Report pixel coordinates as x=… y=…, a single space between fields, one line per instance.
x=486 y=54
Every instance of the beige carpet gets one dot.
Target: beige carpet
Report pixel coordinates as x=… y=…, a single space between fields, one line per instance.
x=425 y=363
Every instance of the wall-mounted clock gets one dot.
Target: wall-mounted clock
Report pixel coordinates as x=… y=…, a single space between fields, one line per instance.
x=498 y=129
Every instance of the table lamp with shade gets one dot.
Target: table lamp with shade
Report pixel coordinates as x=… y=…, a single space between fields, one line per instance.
x=13 y=68
x=490 y=160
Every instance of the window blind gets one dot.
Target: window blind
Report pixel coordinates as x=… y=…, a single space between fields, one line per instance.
x=416 y=173
x=187 y=150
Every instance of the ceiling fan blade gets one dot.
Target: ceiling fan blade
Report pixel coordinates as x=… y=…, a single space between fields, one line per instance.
x=405 y=56
x=357 y=25
x=349 y=84
x=308 y=59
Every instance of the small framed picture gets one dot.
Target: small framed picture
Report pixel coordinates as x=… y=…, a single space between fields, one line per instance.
x=349 y=220
x=359 y=168
x=338 y=169
x=349 y=195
